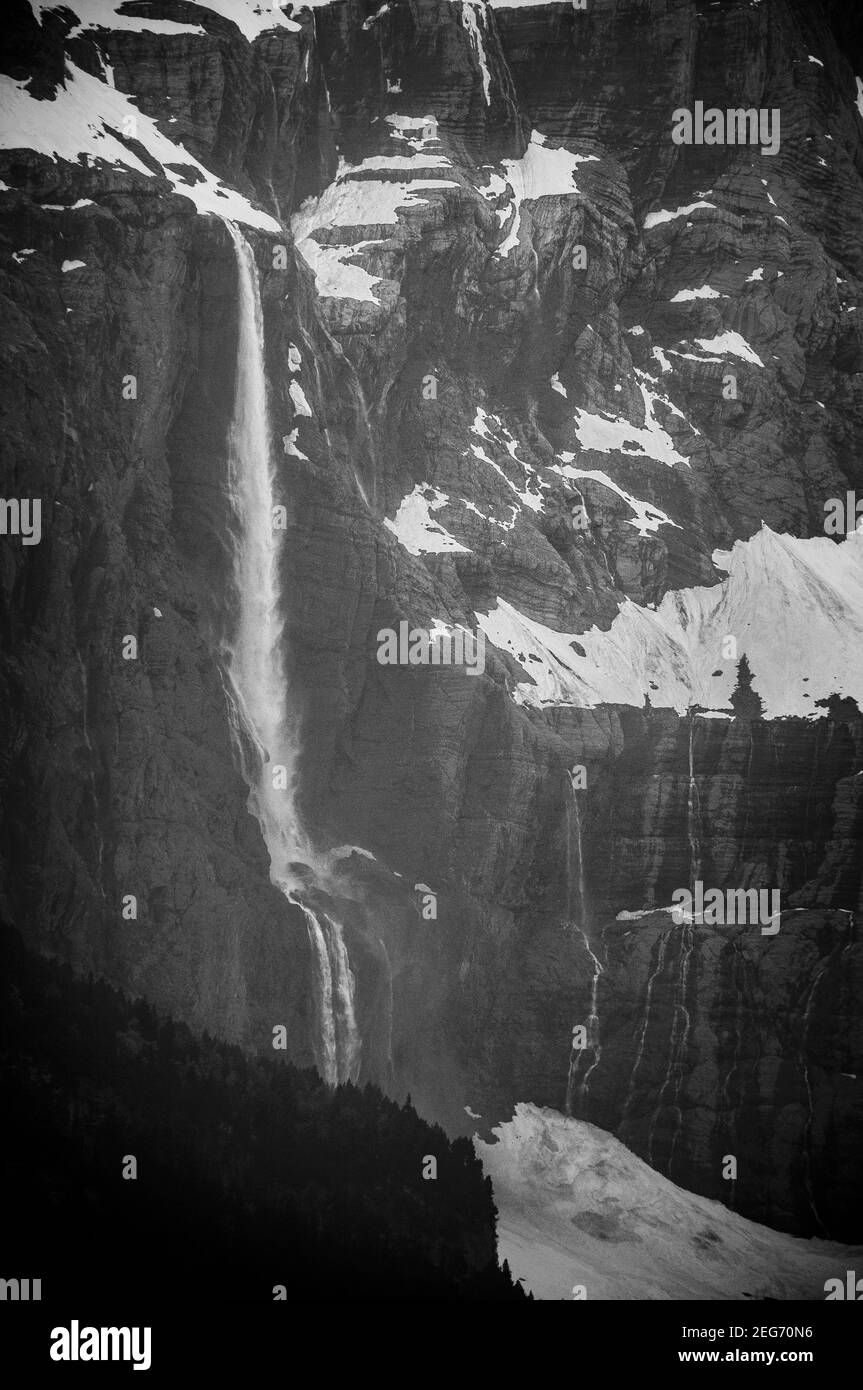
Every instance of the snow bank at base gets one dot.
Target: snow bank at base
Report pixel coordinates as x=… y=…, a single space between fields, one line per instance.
x=577 y=1207
x=777 y=587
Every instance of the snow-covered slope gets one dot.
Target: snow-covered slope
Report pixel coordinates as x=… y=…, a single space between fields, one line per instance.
x=578 y=1208
x=777 y=586
x=81 y=124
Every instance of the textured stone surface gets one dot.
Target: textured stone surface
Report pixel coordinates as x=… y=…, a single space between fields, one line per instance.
x=120 y=776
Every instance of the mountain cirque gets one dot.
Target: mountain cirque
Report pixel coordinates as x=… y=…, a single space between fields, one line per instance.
x=493 y=289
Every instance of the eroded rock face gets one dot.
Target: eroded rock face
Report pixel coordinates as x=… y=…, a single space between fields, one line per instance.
x=475 y=317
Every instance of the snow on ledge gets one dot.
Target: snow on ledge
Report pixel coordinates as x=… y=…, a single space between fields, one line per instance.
x=655 y=219
x=605 y=433
x=414 y=528
x=106 y=14
x=703 y=292
x=777 y=586
x=730 y=344
x=79 y=124
x=647 y=518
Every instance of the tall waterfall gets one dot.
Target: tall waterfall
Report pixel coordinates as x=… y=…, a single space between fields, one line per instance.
x=645 y=1023
x=266 y=738
x=680 y=1020
x=575 y=877
x=693 y=813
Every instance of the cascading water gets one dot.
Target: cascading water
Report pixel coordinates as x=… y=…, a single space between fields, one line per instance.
x=739 y=990
x=338 y=1044
x=645 y=1021
x=680 y=1025
x=804 y=1062
x=255 y=653
x=680 y=1020
x=693 y=813
x=259 y=703
x=593 y=1037
x=575 y=874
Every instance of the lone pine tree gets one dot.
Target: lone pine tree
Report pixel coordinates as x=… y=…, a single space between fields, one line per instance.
x=746 y=702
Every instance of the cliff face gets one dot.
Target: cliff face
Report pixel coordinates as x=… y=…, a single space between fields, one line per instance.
x=494 y=290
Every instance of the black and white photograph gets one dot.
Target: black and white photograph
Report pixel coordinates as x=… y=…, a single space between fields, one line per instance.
x=431 y=672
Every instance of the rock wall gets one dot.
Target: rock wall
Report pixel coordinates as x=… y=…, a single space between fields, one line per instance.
x=414 y=272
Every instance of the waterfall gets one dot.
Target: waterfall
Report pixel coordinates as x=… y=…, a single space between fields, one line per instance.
x=804 y=1063
x=739 y=989
x=338 y=1041
x=255 y=653
x=693 y=813
x=645 y=1021
x=573 y=838
x=680 y=1025
x=680 y=1020
x=259 y=705
x=573 y=833
x=593 y=1036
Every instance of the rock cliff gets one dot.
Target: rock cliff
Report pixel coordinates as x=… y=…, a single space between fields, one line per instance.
x=535 y=371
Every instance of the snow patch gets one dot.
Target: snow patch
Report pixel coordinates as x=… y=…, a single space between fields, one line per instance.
x=607 y=433
x=255 y=17
x=105 y=14
x=647 y=517
x=72 y=265
x=79 y=124
x=655 y=219
x=414 y=528
x=353 y=202
x=501 y=438
x=577 y=1207
x=777 y=586
x=732 y=344
x=290 y=445
x=703 y=292
x=298 y=397
x=539 y=173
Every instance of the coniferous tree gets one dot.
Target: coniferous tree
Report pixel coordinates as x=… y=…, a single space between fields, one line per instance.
x=746 y=702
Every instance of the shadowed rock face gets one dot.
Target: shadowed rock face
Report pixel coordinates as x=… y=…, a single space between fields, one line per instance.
x=608 y=383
